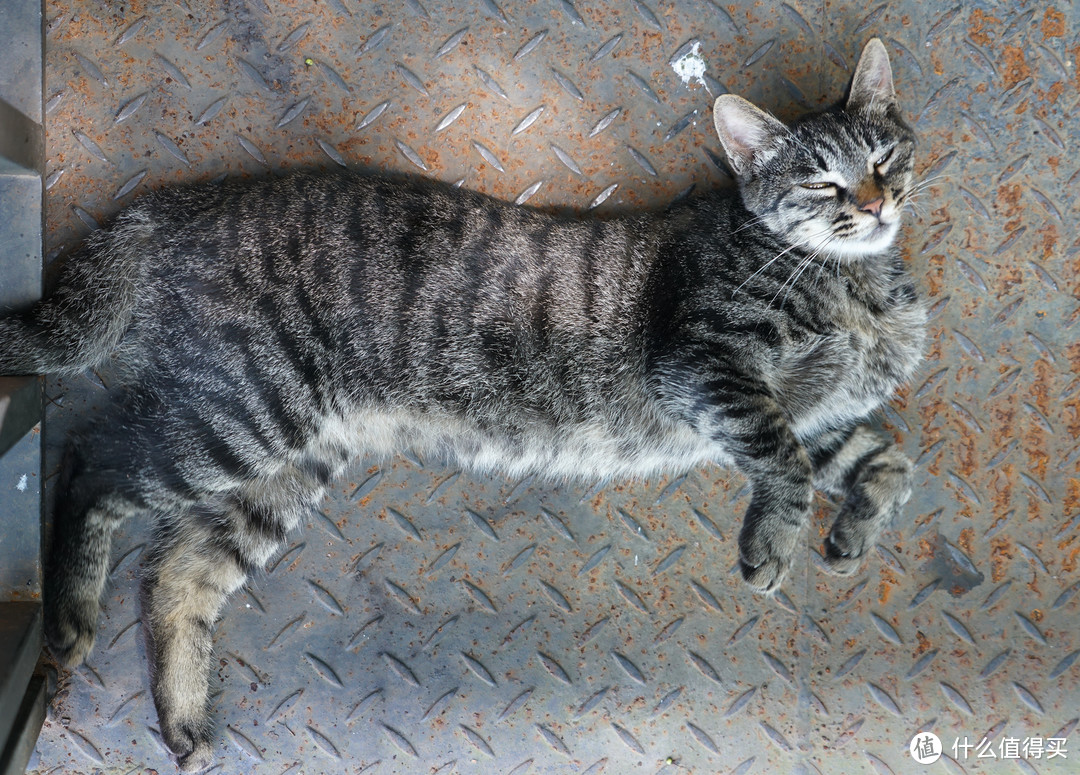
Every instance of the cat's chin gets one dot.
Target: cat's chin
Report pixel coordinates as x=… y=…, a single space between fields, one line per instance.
x=872 y=243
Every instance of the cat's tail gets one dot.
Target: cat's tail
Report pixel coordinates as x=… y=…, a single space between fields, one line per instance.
x=85 y=317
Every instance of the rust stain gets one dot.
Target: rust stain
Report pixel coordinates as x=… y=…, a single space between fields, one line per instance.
x=1009 y=197
x=887 y=584
x=1048 y=237
x=934 y=277
x=1071 y=502
x=884 y=591
x=1052 y=94
x=924 y=644
x=1009 y=277
x=1001 y=490
x=1069 y=563
x=964 y=541
x=1004 y=414
x=967 y=459
x=977 y=23
x=938 y=63
x=1072 y=417
x=1014 y=65
x=1040 y=388
x=1001 y=554
x=1053 y=24
x=1035 y=447
x=1072 y=352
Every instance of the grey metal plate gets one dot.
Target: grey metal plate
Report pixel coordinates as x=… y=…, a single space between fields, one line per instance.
x=431 y=621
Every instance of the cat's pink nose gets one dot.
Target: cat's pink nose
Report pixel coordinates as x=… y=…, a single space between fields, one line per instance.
x=873 y=207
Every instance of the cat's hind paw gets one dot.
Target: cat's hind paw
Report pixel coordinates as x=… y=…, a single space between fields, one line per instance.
x=70 y=638
x=201 y=757
x=884 y=486
x=193 y=749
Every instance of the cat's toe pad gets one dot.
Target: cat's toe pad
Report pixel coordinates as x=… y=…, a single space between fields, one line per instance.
x=201 y=757
x=193 y=750
x=69 y=640
x=764 y=576
x=840 y=558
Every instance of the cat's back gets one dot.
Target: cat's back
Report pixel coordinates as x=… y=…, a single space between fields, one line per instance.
x=409 y=306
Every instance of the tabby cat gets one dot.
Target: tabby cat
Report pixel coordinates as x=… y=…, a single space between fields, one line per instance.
x=271 y=331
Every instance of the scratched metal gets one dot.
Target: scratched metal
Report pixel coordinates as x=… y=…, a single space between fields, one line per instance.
x=431 y=621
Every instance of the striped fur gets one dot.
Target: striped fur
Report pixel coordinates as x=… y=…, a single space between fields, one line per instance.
x=272 y=331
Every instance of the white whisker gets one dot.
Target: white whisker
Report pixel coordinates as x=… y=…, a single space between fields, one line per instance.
x=801 y=267
x=748 y=224
x=794 y=278
x=772 y=260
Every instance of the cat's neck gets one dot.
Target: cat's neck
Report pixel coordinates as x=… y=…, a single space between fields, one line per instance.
x=874 y=279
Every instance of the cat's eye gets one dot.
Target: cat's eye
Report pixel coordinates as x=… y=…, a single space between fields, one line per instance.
x=819 y=186
x=884 y=159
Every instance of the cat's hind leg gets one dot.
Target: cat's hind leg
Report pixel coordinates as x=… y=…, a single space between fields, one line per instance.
x=874 y=479
x=91 y=503
x=191 y=573
x=199 y=558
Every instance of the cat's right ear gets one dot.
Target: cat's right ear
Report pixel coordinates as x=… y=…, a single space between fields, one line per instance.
x=746 y=131
x=872 y=85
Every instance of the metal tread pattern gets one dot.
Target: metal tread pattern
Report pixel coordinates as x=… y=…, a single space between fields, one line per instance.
x=432 y=621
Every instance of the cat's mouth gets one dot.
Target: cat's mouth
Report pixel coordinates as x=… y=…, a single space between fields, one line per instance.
x=882 y=228
x=874 y=239
x=879 y=237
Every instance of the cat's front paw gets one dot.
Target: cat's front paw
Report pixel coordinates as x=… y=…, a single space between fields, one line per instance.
x=201 y=757
x=765 y=555
x=766 y=576
x=841 y=557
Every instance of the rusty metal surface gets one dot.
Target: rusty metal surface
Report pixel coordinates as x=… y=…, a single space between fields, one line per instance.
x=434 y=622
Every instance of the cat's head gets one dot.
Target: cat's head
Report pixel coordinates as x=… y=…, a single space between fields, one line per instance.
x=834 y=181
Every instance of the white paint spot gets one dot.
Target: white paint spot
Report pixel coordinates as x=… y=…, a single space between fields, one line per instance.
x=21 y=486
x=691 y=66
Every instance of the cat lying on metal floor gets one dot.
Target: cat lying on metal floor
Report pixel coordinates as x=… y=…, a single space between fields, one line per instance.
x=272 y=331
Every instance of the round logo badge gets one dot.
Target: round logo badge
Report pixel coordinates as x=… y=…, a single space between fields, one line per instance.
x=925 y=748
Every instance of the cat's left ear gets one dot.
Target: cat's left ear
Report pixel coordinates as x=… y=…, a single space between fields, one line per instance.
x=872 y=87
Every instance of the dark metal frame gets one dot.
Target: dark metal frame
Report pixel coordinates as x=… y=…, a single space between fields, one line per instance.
x=22 y=158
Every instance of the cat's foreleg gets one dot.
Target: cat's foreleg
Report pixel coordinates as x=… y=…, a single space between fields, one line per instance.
x=88 y=510
x=779 y=511
x=740 y=414
x=873 y=477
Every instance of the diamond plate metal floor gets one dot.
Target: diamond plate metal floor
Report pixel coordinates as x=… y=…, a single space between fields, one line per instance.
x=431 y=621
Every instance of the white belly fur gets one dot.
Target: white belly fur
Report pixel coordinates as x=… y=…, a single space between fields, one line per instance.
x=589 y=452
